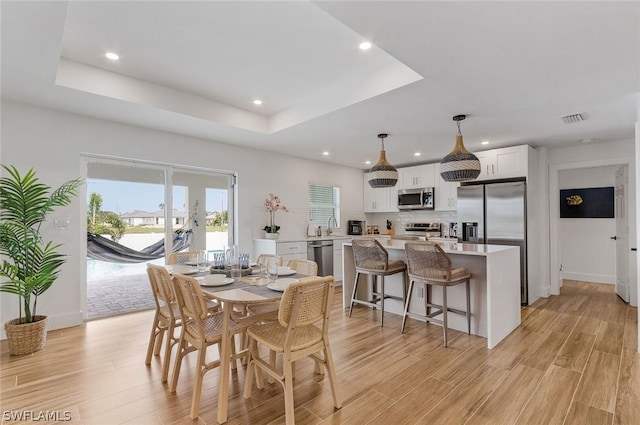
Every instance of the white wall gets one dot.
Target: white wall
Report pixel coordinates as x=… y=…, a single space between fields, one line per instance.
x=586 y=157
x=586 y=251
x=52 y=142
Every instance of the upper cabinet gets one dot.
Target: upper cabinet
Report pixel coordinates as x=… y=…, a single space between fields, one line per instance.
x=384 y=199
x=446 y=193
x=503 y=163
x=416 y=177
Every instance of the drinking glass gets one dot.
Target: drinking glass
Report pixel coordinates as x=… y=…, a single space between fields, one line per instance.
x=272 y=268
x=236 y=270
x=232 y=262
x=202 y=261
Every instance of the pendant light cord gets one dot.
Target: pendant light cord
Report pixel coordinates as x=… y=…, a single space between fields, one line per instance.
x=381 y=136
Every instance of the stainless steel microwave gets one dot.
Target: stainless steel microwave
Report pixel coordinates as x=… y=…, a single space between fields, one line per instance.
x=416 y=199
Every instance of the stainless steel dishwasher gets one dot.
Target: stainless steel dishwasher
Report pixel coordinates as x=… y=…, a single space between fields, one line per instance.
x=322 y=253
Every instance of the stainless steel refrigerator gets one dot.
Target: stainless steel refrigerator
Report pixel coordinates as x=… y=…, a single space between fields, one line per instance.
x=495 y=213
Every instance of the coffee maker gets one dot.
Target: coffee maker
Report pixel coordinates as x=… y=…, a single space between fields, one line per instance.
x=355 y=227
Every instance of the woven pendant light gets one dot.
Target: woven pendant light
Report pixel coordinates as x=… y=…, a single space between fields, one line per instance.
x=383 y=174
x=460 y=165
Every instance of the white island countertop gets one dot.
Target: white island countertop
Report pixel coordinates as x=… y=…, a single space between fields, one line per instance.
x=310 y=238
x=495 y=286
x=448 y=247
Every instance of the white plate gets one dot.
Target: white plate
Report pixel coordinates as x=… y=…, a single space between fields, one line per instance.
x=180 y=269
x=225 y=281
x=285 y=271
x=281 y=284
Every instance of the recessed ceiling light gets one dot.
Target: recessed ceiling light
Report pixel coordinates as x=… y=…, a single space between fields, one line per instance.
x=112 y=56
x=417 y=154
x=485 y=142
x=325 y=153
x=365 y=45
x=257 y=102
x=367 y=162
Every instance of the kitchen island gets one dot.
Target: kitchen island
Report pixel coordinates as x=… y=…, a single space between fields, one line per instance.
x=495 y=287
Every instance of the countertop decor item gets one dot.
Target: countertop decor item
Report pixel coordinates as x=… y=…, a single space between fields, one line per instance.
x=29 y=264
x=272 y=204
x=383 y=174
x=460 y=164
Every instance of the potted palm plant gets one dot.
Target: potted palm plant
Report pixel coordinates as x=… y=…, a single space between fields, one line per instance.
x=30 y=264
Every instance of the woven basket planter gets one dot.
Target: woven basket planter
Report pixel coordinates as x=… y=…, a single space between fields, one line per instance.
x=26 y=338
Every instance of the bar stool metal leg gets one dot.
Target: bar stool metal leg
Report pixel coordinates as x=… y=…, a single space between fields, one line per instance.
x=382 y=301
x=444 y=313
x=406 y=305
x=353 y=295
x=468 y=309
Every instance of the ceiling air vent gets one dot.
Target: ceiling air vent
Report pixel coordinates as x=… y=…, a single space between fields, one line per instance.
x=573 y=118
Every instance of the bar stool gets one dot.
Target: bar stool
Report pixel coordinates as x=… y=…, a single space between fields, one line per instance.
x=372 y=259
x=430 y=265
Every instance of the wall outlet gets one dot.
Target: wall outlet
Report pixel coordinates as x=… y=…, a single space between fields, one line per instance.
x=420 y=292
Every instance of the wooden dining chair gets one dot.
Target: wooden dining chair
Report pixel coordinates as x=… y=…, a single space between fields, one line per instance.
x=305 y=267
x=431 y=266
x=302 y=330
x=184 y=257
x=264 y=258
x=200 y=330
x=167 y=316
x=269 y=311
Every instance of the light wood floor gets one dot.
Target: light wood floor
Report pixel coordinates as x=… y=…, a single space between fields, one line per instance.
x=573 y=360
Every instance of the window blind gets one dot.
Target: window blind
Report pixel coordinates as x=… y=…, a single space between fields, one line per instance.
x=324 y=203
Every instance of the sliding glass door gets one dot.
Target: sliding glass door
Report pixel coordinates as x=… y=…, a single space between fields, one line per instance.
x=139 y=212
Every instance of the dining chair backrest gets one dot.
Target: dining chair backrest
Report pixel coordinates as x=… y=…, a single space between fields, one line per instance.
x=155 y=291
x=369 y=254
x=427 y=260
x=163 y=286
x=305 y=267
x=183 y=257
x=306 y=302
x=263 y=259
x=191 y=303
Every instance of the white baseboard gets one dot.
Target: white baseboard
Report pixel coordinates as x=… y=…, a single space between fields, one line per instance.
x=586 y=277
x=59 y=322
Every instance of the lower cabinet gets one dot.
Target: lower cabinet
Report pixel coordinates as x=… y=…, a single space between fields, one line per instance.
x=287 y=250
x=290 y=250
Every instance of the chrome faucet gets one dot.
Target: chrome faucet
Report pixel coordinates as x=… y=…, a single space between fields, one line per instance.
x=335 y=222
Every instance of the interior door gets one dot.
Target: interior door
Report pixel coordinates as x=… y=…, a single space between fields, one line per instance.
x=622 y=235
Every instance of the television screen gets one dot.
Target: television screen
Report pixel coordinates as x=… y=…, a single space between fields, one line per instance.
x=595 y=202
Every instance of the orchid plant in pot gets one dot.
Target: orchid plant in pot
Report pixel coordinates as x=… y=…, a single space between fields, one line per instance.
x=272 y=204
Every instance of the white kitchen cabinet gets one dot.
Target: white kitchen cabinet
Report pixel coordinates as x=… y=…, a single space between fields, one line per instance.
x=287 y=250
x=416 y=177
x=290 y=250
x=384 y=199
x=503 y=163
x=446 y=196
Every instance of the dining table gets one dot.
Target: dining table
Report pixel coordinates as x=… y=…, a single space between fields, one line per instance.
x=234 y=297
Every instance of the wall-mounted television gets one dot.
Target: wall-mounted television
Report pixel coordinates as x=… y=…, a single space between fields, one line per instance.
x=594 y=202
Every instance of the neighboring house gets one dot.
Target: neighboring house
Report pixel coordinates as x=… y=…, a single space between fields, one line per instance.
x=144 y=218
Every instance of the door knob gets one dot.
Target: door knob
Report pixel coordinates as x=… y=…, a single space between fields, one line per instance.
x=614 y=238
